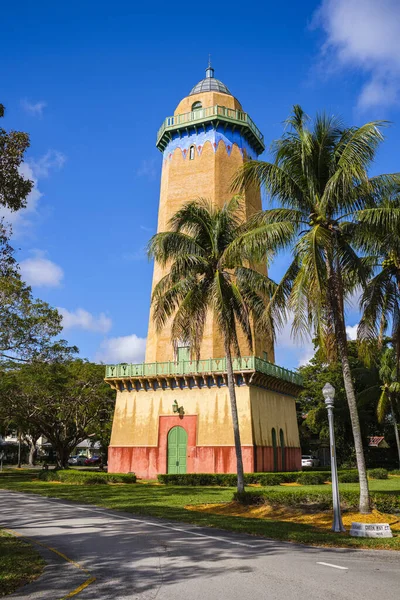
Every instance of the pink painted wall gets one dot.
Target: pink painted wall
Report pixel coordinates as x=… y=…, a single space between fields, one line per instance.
x=148 y=462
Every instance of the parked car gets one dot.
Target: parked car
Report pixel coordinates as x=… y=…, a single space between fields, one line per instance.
x=309 y=461
x=94 y=460
x=77 y=460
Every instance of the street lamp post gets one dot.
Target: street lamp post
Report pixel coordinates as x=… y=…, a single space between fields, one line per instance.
x=329 y=394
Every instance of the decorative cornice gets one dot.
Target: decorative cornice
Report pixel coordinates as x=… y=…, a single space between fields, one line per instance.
x=204 y=381
x=215 y=116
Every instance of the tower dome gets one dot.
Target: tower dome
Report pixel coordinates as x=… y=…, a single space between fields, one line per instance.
x=210 y=84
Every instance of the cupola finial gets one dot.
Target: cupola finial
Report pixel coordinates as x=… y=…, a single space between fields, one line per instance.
x=209 y=70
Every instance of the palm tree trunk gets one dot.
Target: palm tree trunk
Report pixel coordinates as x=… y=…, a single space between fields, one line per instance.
x=364 y=503
x=396 y=429
x=337 y=305
x=235 y=420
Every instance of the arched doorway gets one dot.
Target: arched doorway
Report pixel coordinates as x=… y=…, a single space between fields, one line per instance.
x=275 y=449
x=283 y=450
x=177 y=450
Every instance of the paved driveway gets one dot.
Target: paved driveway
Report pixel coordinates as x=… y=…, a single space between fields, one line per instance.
x=148 y=559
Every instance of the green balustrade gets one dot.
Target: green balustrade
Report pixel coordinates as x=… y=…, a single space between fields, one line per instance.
x=194 y=367
x=210 y=113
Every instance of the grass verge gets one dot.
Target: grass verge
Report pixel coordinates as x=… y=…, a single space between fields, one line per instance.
x=20 y=563
x=170 y=502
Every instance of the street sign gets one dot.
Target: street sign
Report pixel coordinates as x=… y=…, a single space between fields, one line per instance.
x=371 y=530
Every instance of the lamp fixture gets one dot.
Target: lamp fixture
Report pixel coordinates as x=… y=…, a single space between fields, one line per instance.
x=178 y=409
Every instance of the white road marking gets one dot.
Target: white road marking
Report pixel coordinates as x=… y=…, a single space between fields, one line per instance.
x=194 y=533
x=334 y=566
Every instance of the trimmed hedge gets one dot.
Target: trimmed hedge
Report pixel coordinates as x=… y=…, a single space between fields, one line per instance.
x=350 y=477
x=86 y=477
x=378 y=474
x=311 y=478
x=321 y=500
x=226 y=479
x=230 y=479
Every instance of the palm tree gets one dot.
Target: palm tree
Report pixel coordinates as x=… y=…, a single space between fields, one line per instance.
x=378 y=235
x=206 y=276
x=320 y=178
x=387 y=404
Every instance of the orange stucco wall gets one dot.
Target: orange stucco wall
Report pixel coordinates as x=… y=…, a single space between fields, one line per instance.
x=208 y=176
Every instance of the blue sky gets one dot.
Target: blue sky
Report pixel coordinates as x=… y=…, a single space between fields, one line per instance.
x=92 y=81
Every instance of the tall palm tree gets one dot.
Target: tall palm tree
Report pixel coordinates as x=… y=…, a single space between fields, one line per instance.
x=206 y=276
x=319 y=177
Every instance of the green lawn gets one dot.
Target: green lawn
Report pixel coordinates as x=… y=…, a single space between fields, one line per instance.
x=170 y=501
x=20 y=563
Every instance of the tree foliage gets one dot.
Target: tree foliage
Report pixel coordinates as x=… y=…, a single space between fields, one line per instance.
x=27 y=325
x=312 y=410
x=64 y=400
x=378 y=235
x=320 y=178
x=208 y=275
x=14 y=188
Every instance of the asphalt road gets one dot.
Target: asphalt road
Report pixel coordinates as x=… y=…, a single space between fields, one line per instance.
x=119 y=556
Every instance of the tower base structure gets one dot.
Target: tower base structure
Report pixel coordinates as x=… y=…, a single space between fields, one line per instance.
x=176 y=418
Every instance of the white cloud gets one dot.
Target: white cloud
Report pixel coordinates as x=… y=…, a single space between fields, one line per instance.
x=82 y=319
x=351 y=331
x=33 y=170
x=300 y=351
x=147 y=169
x=41 y=272
x=365 y=34
x=128 y=348
x=34 y=109
x=53 y=159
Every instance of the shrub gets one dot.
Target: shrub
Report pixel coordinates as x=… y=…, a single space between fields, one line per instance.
x=388 y=503
x=395 y=472
x=250 y=498
x=311 y=478
x=221 y=479
x=230 y=479
x=86 y=477
x=316 y=500
x=378 y=474
x=226 y=479
x=271 y=479
x=349 y=477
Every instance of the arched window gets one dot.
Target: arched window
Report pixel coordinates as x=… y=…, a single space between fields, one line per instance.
x=191 y=153
x=283 y=450
x=196 y=106
x=274 y=449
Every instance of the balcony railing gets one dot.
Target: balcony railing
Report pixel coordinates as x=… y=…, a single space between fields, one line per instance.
x=198 y=367
x=205 y=114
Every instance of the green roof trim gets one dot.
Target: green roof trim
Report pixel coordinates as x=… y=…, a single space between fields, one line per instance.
x=212 y=114
x=199 y=367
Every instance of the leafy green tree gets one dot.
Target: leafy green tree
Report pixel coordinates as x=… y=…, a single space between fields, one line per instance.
x=312 y=409
x=208 y=275
x=62 y=399
x=319 y=175
x=14 y=189
x=27 y=325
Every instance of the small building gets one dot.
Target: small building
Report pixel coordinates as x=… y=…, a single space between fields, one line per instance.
x=377 y=441
x=172 y=413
